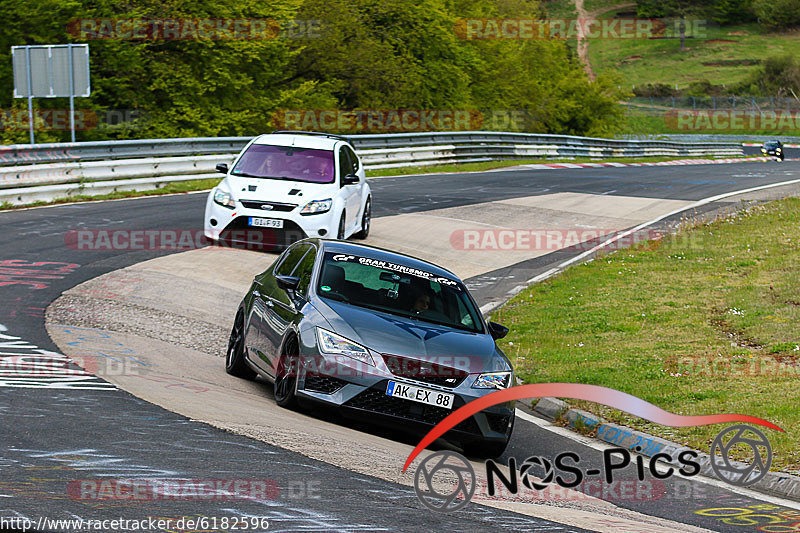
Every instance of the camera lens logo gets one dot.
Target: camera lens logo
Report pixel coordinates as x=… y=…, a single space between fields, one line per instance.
x=740 y=474
x=527 y=468
x=445 y=481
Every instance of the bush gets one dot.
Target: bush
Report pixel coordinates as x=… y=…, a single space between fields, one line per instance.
x=655 y=90
x=703 y=88
x=731 y=11
x=777 y=14
x=777 y=76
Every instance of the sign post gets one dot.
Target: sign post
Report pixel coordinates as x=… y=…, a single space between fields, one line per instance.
x=51 y=71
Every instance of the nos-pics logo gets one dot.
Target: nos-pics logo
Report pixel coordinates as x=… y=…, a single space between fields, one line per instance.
x=445 y=481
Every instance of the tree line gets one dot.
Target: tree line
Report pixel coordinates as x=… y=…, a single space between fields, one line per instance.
x=226 y=67
x=773 y=14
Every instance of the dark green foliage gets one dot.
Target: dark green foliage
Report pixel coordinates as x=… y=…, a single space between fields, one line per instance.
x=777 y=76
x=778 y=14
x=718 y=11
x=656 y=90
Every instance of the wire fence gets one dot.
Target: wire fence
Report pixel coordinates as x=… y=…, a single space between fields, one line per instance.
x=658 y=106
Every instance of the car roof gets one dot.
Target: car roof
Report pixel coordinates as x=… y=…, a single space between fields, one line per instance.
x=317 y=142
x=374 y=252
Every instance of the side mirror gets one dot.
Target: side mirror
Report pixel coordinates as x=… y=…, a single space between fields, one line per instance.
x=350 y=179
x=222 y=167
x=497 y=331
x=287 y=283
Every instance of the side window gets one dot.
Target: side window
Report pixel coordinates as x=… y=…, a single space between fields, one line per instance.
x=304 y=271
x=345 y=165
x=353 y=158
x=465 y=316
x=291 y=260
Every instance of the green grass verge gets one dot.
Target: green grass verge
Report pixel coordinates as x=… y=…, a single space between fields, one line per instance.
x=489 y=165
x=206 y=184
x=639 y=122
x=702 y=322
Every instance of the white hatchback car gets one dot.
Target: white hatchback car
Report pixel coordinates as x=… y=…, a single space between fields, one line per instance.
x=286 y=186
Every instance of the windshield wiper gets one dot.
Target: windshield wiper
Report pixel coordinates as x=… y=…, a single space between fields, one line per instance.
x=246 y=175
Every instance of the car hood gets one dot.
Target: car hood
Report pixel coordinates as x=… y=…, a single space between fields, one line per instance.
x=395 y=335
x=277 y=190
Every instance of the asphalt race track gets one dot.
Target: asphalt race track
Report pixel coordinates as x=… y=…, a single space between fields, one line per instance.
x=55 y=437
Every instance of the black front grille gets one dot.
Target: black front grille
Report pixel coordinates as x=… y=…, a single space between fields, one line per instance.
x=272 y=206
x=376 y=400
x=427 y=372
x=323 y=384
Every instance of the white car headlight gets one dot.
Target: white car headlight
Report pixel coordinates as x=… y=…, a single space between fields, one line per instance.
x=332 y=343
x=224 y=199
x=316 y=207
x=493 y=380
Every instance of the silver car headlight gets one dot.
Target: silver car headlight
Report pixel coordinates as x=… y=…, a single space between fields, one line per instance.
x=224 y=199
x=330 y=342
x=493 y=380
x=316 y=207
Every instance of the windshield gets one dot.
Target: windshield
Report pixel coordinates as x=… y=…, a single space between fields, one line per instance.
x=771 y=144
x=399 y=290
x=286 y=162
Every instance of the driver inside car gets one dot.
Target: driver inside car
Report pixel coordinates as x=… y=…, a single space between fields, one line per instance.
x=421 y=303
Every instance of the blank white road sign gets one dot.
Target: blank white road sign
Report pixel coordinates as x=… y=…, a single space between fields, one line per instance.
x=50 y=70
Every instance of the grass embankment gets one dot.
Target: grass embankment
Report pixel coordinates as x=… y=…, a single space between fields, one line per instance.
x=703 y=322
x=206 y=184
x=722 y=55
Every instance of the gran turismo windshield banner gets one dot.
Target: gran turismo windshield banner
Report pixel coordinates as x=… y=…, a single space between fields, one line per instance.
x=386 y=265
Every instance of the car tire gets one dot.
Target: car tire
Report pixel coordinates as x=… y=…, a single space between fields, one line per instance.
x=286 y=375
x=235 y=364
x=366 y=220
x=340 y=231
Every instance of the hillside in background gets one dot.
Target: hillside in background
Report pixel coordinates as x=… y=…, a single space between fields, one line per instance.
x=736 y=70
x=722 y=53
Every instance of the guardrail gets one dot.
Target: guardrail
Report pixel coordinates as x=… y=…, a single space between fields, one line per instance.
x=46 y=171
x=705 y=137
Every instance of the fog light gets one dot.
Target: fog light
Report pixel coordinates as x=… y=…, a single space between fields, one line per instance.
x=323 y=231
x=213 y=221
